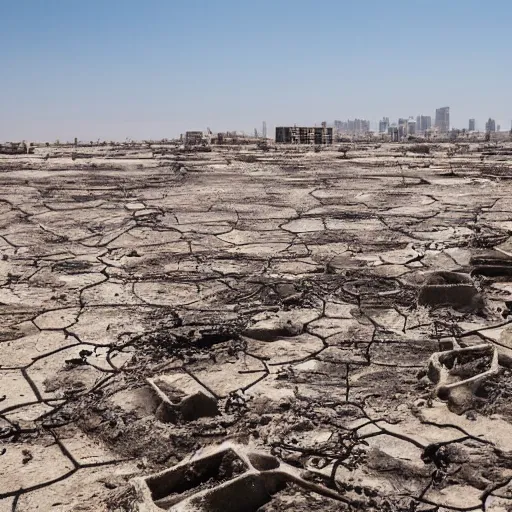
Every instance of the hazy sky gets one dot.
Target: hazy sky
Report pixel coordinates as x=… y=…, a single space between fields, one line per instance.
x=113 y=69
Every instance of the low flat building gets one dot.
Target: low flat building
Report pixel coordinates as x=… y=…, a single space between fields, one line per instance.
x=193 y=138
x=304 y=135
x=16 y=148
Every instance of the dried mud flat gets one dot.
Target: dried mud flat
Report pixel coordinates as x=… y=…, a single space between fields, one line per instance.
x=347 y=315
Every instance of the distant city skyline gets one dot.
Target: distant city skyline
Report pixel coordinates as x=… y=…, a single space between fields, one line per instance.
x=148 y=70
x=422 y=123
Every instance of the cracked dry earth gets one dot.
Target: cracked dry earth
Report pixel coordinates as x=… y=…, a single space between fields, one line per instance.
x=150 y=309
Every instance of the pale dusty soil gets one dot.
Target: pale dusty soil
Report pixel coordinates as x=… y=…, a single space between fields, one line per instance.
x=284 y=287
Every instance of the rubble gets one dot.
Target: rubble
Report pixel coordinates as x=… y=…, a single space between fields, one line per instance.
x=450 y=289
x=182 y=397
x=227 y=478
x=458 y=373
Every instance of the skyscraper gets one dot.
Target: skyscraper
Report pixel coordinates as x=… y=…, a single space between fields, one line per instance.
x=358 y=126
x=443 y=119
x=411 y=127
x=402 y=127
x=393 y=132
x=472 y=125
x=423 y=123
x=384 y=125
x=490 y=126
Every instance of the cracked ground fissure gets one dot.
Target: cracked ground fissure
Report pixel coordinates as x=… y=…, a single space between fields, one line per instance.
x=288 y=294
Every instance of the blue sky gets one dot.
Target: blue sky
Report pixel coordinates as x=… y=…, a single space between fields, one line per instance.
x=113 y=69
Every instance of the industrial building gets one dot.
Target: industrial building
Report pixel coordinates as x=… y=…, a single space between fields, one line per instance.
x=304 y=135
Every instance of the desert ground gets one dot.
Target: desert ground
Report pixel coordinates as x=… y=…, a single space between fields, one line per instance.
x=334 y=327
